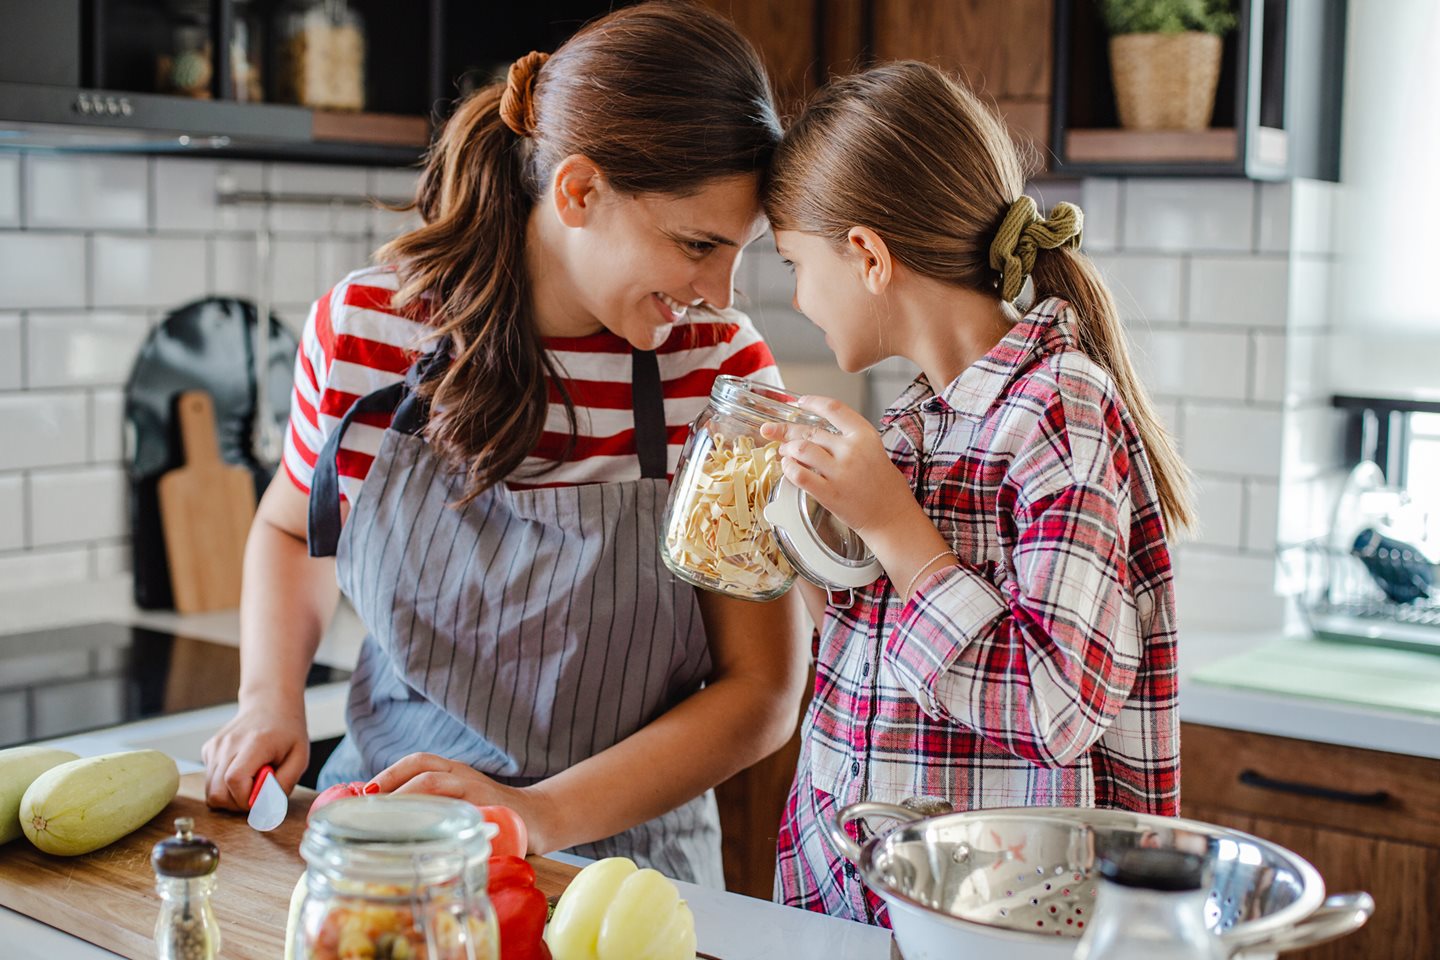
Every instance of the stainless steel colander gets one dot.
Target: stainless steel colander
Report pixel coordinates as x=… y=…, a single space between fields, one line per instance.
x=1026 y=876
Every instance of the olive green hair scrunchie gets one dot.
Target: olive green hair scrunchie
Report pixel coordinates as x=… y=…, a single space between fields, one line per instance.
x=1023 y=234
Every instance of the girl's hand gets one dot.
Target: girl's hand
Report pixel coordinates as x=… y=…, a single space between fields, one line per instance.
x=429 y=774
x=849 y=472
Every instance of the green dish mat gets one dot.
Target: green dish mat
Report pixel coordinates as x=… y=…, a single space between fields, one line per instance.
x=1368 y=676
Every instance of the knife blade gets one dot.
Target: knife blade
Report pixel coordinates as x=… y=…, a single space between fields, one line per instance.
x=268 y=803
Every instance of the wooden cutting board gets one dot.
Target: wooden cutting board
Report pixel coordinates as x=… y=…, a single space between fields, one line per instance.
x=108 y=897
x=205 y=510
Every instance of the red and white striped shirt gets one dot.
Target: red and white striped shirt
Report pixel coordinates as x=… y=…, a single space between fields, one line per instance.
x=355 y=343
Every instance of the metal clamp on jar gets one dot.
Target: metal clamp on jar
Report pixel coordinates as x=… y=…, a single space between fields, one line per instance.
x=735 y=525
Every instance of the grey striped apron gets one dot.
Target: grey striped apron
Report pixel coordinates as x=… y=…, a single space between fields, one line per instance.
x=521 y=633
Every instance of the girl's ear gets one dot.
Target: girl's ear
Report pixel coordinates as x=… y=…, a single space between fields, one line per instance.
x=873 y=258
x=574 y=189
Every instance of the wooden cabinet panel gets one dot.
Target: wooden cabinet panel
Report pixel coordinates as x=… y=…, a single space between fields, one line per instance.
x=1262 y=775
x=1404 y=879
x=785 y=34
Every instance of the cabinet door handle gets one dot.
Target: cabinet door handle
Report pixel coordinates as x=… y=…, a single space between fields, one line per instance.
x=1252 y=778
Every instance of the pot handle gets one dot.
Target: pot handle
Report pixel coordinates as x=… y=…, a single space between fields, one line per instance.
x=840 y=840
x=1341 y=914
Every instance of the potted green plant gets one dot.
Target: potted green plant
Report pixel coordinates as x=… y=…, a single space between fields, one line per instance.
x=1165 y=60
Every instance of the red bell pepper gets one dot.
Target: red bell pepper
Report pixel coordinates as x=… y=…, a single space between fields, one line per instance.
x=520 y=908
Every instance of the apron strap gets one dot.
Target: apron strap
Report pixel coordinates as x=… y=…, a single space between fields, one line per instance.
x=652 y=438
x=410 y=414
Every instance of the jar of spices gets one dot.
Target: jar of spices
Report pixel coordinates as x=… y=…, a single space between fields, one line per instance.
x=185 y=878
x=320 y=56
x=734 y=524
x=187 y=66
x=394 y=878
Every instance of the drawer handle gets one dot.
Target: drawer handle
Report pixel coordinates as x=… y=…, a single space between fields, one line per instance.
x=1252 y=778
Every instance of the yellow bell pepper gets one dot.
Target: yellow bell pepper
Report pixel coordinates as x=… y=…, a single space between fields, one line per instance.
x=614 y=911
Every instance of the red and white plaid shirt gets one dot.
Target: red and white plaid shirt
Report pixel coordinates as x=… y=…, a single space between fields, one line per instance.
x=1039 y=672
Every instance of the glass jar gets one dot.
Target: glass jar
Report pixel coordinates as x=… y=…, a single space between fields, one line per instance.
x=186 y=68
x=733 y=524
x=394 y=878
x=185 y=878
x=320 y=56
x=1150 y=906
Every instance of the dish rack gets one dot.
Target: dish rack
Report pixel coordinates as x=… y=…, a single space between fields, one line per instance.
x=1340 y=600
x=1390 y=596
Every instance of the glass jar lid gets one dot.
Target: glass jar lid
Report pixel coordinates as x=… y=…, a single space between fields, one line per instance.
x=397 y=839
x=820 y=548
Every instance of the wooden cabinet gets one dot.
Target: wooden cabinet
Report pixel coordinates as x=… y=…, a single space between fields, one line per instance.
x=1367 y=821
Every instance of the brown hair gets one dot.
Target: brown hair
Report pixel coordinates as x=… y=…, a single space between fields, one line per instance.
x=663 y=97
x=938 y=175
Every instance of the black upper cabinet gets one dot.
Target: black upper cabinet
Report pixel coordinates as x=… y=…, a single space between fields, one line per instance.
x=138 y=75
x=1277 y=108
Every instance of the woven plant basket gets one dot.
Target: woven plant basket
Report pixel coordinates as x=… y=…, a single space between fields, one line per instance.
x=1165 y=81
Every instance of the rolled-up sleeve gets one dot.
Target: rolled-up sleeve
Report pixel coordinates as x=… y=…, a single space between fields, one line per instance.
x=1041 y=663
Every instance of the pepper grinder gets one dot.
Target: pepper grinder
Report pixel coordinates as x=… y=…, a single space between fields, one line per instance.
x=185 y=878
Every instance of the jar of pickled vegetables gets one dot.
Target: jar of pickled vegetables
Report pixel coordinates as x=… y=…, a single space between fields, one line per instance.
x=394 y=878
x=734 y=524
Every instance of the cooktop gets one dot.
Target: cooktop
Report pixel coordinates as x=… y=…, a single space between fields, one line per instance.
x=89 y=676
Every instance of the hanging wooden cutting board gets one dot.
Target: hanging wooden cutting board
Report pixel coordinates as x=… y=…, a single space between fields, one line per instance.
x=108 y=897
x=206 y=508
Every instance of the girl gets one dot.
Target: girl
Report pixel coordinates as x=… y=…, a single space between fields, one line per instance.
x=497 y=407
x=1020 y=648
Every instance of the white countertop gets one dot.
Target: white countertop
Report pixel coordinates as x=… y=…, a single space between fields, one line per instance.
x=730 y=925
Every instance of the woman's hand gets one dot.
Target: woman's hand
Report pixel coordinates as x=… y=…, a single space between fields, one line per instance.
x=429 y=774
x=849 y=472
x=271 y=731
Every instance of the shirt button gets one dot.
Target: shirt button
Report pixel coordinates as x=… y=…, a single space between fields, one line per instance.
x=854 y=768
x=866 y=671
x=850 y=870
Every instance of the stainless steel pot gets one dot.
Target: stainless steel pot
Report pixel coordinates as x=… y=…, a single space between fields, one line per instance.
x=1022 y=880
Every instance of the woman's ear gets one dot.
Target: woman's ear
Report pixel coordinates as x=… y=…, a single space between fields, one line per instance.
x=574 y=188
x=872 y=257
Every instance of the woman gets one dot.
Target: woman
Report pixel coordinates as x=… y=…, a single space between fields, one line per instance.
x=547 y=333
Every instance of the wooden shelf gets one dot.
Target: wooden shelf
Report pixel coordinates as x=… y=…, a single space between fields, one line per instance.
x=1152 y=146
x=390 y=129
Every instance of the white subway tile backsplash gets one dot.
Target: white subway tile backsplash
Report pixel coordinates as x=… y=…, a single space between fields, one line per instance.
x=336 y=259
x=1314 y=441
x=392 y=185
x=1262 y=515
x=1239 y=292
x=110 y=560
x=1220 y=507
x=186 y=189
x=42 y=269
x=1307 y=367
x=1276 y=205
x=1188 y=214
x=1313 y=219
x=1233 y=440
x=34 y=568
x=74 y=506
x=290 y=178
x=12 y=512
x=1267 y=374
x=236 y=273
x=84 y=191
x=1223 y=590
x=82 y=349
x=152 y=271
x=107 y=409
x=1192 y=363
x=1312 y=286
x=9 y=189
x=10 y=371
x=1100 y=200
x=295 y=269
x=42 y=429
x=1146 y=288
